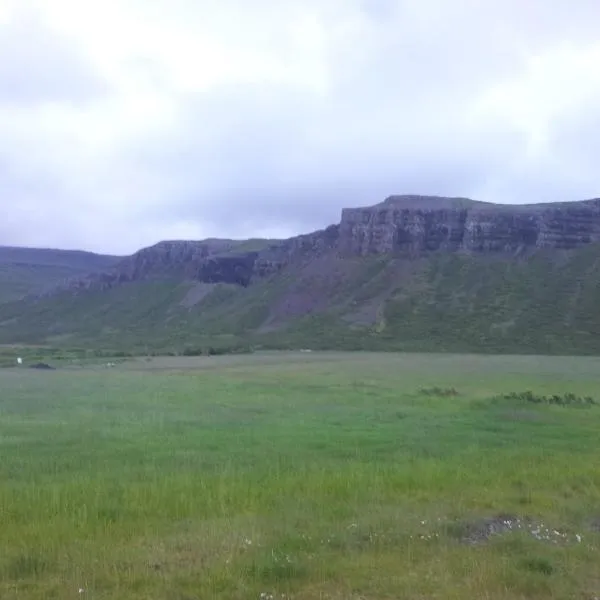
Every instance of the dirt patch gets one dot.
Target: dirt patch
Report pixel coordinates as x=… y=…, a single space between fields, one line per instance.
x=481 y=530
x=477 y=531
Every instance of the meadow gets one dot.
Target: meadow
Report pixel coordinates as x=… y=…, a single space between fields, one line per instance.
x=301 y=476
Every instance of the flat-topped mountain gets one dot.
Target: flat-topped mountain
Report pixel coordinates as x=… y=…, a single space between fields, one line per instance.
x=412 y=272
x=401 y=226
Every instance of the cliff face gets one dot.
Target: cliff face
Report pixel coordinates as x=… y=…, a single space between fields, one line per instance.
x=209 y=261
x=401 y=226
x=413 y=225
x=296 y=250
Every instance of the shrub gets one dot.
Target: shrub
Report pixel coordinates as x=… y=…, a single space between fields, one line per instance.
x=560 y=399
x=439 y=392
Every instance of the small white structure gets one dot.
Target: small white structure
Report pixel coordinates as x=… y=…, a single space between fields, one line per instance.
x=19 y=361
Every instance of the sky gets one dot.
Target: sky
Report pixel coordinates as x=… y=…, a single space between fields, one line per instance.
x=127 y=122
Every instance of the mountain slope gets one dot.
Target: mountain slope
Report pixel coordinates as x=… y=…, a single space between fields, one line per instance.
x=443 y=303
x=30 y=270
x=411 y=273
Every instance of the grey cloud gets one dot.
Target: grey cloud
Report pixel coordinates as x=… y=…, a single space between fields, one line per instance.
x=38 y=65
x=265 y=172
x=396 y=119
x=247 y=157
x=28 y=217
x=576 y=137
x=378 y=9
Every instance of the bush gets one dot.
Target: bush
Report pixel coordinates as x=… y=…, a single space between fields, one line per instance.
x=562 y=400
x=193 y=352
x=439 y=392
x=217 y=350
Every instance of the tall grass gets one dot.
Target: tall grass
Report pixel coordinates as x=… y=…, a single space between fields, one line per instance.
x=309 y=476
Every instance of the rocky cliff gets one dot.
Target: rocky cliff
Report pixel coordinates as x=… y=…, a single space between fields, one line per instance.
x=208 y=261
x=400 y=226
x=211 y=261
x=413 y=225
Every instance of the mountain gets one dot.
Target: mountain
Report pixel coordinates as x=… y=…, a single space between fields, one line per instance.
x=410 y=273
x=26 y=271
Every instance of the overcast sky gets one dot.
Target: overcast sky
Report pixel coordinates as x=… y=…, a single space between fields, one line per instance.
x=124 y=122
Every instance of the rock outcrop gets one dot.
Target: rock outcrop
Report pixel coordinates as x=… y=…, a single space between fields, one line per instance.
x=211 y=261
x=400 y=226
x=296 y=250
x=208 y=261
x=413 y=225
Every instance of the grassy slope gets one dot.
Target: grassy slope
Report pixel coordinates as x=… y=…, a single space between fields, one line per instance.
x=25 y=270
x=151 y=312
x=314 y=476
x=545 y=303
x=108 y=317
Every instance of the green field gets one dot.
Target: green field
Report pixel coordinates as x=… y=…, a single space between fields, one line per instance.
x=301 y=476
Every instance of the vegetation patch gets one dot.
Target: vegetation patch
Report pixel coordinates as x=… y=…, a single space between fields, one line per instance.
x=538 y=565
x=567 y=399
x=42 y=366
x=440 y=392
x=217 y=350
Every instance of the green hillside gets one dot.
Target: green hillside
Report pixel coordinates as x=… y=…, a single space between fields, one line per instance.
x=546 y=303
x=29 y=270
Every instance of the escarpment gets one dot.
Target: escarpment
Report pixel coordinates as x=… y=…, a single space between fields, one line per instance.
x=400 y=226
x=415 y=225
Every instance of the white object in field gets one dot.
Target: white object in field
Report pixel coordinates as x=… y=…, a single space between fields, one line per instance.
x=19 y=361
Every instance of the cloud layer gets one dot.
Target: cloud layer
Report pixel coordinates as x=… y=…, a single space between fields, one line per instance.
x=126 y=122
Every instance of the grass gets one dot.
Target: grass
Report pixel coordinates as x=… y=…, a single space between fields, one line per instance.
x=20 y=280
x=543 y=303
x=27 y=270
x=301 y=475
x=540 y=304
